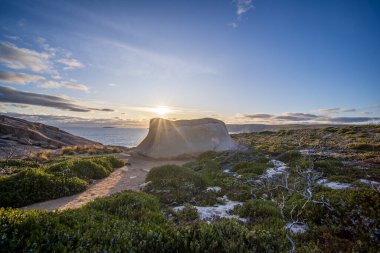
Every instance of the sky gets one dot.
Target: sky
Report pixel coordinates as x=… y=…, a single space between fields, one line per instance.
x=120 y=63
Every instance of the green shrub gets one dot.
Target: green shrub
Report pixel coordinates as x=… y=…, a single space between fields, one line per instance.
x=115 y=162
x=290 y=156
x=365 y=147
x=19 y=163
x=353 y=214
x=174 y=183
x=63 y=168
x=208 y=155
x=129 y=205
x=258 y=211
x=34 y=185
x=329 y=167
x=86 y=168
x=235 y=189
x=250 y=167
x=185 y=216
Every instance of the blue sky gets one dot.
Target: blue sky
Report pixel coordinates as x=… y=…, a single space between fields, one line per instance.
x=123 y=62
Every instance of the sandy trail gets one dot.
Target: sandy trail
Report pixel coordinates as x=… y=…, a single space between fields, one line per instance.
x=128 y=177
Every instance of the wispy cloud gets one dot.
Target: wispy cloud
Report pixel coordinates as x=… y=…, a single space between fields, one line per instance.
x=335 y=110
x=14 y=57
x=17 y=58
x=60 y=120
x=233 y=24
x=11 y=37
x=64 y=84
x=19 y=78
x=10 y=95
x=243 y=6
x=71 y=63
x=258 y=116
x=289 y=117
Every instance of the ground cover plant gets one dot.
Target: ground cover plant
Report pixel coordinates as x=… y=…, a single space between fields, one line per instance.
x=289 y=192
x=31 y=182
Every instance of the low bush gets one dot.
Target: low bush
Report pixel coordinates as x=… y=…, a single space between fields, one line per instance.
x=55 y=180
x=86 y=168
x=257 y=210
x=117 y=224
x=35 y=185
x=19 y=163
x=174 y=183
x=290 y=156
x=353 y=216
x=365 y=147
x=251 y=167
x=329 y=167
x=130 y=205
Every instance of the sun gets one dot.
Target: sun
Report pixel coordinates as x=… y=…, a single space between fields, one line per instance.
x=161 y=110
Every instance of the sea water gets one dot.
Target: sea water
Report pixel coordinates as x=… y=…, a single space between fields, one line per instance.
x=127 y=137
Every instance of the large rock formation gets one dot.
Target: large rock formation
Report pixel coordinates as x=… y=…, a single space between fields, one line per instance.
x=167 y=139
x=15 y=131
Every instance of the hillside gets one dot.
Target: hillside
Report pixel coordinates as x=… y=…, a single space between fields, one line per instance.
x=23 y=136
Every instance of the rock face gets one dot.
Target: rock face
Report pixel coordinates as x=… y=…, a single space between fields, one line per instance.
x=168 y=139
x=22 y=132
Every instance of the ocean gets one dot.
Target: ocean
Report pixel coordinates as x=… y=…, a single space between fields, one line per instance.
x=127 y=137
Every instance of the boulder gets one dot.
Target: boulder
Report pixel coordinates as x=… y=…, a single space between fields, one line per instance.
x=169 y=139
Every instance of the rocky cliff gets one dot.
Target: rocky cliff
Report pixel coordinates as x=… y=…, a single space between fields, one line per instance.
x=22 y=132
x=168 y=138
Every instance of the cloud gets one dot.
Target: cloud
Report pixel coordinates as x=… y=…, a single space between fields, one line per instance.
x=60 y=120
x=64 y=84
x=258 y=116
x=243 y=6
x=353 y=119
x=42 y=42
x=289 y=117
x=11 y=37
x=335 y=110
x=297 y=117
x=10 y=95
x=14 y=57
x=19 y=78
x=112 y=84
x=233 y=24
x=70 y=63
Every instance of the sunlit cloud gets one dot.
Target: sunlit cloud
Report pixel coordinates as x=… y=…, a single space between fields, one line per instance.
x=64 y=84
x=71 y=63
x=19 y=78
x=13 y=96
x=14 y=57
x=301 y=118
x=335 y=110
x=70 y=121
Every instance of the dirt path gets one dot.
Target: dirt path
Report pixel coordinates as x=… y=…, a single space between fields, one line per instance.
x=126 y=178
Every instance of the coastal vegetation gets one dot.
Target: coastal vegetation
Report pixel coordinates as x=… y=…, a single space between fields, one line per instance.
x=304 y=190
x=26 y=182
